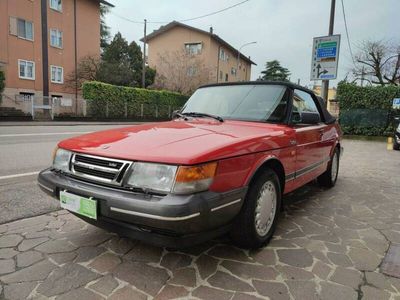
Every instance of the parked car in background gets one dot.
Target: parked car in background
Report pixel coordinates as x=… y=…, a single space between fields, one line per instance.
x=396 y=138
x=222 y=165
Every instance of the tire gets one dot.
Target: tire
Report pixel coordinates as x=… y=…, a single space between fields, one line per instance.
x=245 y=233
x=395 y=145
x=329 y=177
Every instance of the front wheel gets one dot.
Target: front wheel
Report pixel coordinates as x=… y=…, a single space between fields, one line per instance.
x=255 y=225
x=329 y=177
x=396 y=146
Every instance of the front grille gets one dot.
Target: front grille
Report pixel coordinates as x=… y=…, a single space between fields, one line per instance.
x=101 y=169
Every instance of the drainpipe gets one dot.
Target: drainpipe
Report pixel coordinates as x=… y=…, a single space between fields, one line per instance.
x=219 y=49
x=76 y=61
x=45 y=52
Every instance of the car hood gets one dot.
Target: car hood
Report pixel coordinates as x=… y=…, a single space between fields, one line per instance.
x=182 y=142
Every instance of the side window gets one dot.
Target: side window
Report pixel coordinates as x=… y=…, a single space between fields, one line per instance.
x=302 y=102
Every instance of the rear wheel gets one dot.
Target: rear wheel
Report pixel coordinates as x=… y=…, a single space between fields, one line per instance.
x=255 y=225
x=396 y=146
x=329 y=177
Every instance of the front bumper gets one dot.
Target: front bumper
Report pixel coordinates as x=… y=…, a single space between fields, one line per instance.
x=171 y=220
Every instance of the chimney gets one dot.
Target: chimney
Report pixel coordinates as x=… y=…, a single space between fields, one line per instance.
x=211 y=30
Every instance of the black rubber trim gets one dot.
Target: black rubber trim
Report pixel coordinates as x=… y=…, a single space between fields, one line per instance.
x=305 y=170
x=144 y=205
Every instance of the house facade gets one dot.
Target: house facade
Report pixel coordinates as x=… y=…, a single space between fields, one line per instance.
x=204 y=52
x=41 y=43
x=333 y=104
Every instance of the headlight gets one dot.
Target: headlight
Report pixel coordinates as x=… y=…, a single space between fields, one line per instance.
x=154 y=177
x=168 y=178
x=61 y=160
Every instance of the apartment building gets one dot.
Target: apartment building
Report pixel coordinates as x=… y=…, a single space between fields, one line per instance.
x=223 y=62
x=41 y=43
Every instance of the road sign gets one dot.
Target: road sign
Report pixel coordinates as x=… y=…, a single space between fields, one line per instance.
x=325 y=57
x=396 y=103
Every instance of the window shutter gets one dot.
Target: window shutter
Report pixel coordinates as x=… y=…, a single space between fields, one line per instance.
x=13 y=26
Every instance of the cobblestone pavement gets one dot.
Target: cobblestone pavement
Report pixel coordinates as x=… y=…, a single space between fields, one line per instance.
x=329 y=245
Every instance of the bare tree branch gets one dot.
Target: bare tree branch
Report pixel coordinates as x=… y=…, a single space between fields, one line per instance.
x=180 y=71
x=376 y=60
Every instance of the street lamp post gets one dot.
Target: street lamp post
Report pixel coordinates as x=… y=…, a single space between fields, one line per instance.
x=238 y=57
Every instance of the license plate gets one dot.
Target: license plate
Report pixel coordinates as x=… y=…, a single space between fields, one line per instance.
x=84 y=206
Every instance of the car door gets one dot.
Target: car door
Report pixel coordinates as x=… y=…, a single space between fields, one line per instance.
x=310 y=149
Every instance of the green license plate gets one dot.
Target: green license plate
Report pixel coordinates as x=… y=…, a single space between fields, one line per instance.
x=84 y=206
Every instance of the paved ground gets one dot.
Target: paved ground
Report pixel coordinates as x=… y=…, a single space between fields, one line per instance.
x=63 y=123
x=24 y=151
x=329 y=245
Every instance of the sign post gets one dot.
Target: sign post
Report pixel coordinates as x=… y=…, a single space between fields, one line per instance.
x=396 y=103
x=325 y=57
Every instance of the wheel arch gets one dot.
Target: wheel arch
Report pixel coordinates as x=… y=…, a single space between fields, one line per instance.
x=274 y=164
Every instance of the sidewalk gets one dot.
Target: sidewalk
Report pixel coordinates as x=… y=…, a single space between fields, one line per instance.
x=329 y=245
x=64 y=123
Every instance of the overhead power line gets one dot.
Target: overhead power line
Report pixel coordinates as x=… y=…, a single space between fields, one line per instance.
x=206 y=15
x=126 y=19
x=183 y=20
x=347 y=35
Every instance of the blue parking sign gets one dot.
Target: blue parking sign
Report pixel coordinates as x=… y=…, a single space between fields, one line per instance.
x=396 y=103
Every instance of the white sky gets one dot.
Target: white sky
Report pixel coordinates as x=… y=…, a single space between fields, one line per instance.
x=283 y=29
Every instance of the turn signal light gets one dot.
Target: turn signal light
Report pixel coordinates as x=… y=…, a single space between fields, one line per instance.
x=195 y=173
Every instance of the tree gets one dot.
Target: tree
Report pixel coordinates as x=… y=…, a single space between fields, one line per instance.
x=104 y=29
x=378 y=62
x=180 y=71
x=122 y=64
x=88 y=69
x=275 y=72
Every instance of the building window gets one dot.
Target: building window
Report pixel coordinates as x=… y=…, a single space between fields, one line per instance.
x=226 y=77
x=56 y=38
x=56 y=5
x=57 y=75
x=191 y=71
x=23 y=96
x=233 y=71
x=222 y=55
x=21 y=28
x=26 y=69
x=193 y=48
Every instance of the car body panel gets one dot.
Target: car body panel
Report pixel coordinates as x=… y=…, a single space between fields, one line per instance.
x=182 y=142
x=240 y=148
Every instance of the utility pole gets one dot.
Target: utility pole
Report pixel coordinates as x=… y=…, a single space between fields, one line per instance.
x=144 y=56
x=325 y=83
x=362 y=76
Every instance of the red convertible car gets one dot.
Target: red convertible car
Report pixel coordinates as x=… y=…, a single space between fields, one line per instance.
x=221 y=165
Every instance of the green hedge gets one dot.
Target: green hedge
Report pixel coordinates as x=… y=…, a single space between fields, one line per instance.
x=366 y=110
x=110 y=101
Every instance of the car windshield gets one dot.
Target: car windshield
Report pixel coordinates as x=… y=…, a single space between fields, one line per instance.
x=256 y=102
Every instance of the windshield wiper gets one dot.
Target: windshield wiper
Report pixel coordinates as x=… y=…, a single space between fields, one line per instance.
x=199 y=114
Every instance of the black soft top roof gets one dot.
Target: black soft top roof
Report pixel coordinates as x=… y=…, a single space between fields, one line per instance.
x=261 y=82
x=327 y=117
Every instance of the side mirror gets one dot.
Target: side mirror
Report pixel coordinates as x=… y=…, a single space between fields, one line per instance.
x=174 y=114
x=310 y=117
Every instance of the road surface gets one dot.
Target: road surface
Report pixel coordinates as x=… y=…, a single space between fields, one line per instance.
x=24 y=151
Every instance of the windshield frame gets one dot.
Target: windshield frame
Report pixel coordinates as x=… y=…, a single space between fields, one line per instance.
x=288 y=92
